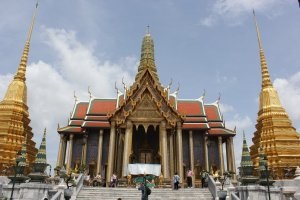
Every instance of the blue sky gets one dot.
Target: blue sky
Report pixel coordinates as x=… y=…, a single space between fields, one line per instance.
x=209 y=45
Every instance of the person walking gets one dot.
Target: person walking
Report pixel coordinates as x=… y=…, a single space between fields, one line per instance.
x=143 y=189
x=189 y=176
x=203 y=178
x=176 y=180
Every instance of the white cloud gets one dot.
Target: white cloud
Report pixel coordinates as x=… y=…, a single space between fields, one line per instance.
x=51 y=85
x=233 y=11
x=241 y=123
x=289 y=94
x=225 y=108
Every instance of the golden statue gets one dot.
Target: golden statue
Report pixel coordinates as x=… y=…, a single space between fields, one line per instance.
x=129 y=180
x=161 y=178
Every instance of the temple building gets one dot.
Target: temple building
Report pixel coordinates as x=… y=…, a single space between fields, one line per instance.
x=146 y=124
x=14 y=120
x=274 y=131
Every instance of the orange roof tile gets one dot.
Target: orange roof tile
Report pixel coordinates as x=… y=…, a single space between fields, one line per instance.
x=190 y=107
x=95 y=124
x=75 y=122
x=71 y=129
x=195 y=126
x=212 y=112
x=80 y=110
x=101 y=106
x=96 y=118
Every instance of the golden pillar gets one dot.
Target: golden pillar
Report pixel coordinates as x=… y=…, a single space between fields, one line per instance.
x=191 y=145
x=111 y=152
x=84 y=150
x=127 y=147
x=171 y=139
x=69 y=162
x=164 y=149
x=221 y=157
x=99 y=158
x=60 y=151
x=205 y=138
x=179 y=150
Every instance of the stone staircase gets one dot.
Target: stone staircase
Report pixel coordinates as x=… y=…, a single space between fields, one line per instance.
x=133 y=193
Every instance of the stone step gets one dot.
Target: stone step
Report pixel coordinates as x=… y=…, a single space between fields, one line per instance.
x=134 y=194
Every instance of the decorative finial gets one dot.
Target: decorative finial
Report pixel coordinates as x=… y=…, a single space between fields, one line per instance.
x=58 y=126
x=148 y=29
x=219 y=98
x=124 y=85
x=234 y=130
x=75 y=97
x=169 y=85
x=204 y=93
x=266 y=81
x=177 y=90
x=244 y=134
x=89 y=91
x=116 y=88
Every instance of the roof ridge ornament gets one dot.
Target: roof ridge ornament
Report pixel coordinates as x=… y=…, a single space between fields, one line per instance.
x=75 y=97
x=90 y=93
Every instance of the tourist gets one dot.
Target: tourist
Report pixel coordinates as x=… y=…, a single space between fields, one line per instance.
x=113 y=180
x=203 y=178
x=189 y=176
x=87 y=180
x=143 y=188
x=98 y=179
x=176 y=180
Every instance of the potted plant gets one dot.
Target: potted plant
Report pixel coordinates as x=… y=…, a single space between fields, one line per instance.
x=222 y=193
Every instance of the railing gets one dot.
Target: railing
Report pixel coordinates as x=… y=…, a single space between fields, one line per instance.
x=57 y=196
x=234 y=197
x=78 y=183
x=212 y=187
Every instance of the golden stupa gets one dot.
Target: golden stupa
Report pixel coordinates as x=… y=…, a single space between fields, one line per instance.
x=274 y=130
x=14 y=120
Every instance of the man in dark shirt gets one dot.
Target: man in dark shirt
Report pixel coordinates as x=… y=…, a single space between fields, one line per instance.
x=144 y=191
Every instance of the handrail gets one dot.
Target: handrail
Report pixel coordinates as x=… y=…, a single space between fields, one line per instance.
x=57 y=196
x=212 y=187
x=79 y=184
x=234 y=197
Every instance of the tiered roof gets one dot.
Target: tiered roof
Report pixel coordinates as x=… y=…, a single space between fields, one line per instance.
x=196 y=115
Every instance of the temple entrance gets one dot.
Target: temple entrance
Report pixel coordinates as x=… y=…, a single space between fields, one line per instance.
x=145 y=145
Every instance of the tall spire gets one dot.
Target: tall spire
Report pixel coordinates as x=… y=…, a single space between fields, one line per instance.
x=14 y=121
x=17 y=89
x=274 y=129
x=147 y=60
x=266 y=81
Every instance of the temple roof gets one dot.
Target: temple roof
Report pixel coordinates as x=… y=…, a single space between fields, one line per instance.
x=197 y=115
